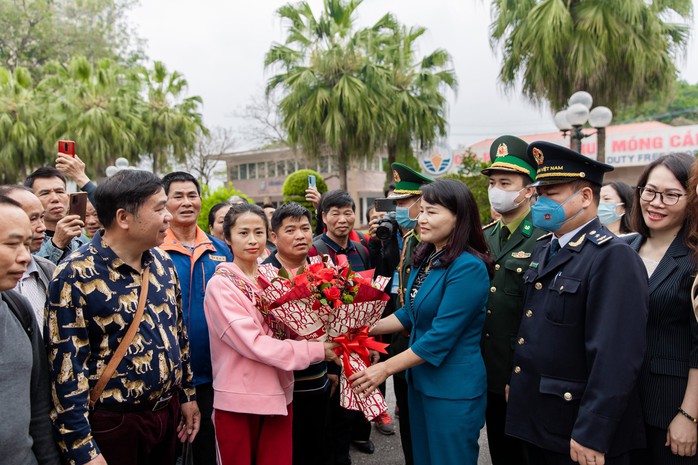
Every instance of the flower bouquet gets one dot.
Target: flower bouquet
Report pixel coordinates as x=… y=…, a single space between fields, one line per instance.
x=330 y=302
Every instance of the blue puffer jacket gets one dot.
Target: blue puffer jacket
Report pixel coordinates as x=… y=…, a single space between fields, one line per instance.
x=194 y=269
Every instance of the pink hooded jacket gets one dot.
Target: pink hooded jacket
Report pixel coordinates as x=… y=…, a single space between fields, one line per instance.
x=252 y=371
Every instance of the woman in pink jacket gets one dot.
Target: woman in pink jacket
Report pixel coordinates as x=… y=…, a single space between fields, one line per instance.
x=252 y=359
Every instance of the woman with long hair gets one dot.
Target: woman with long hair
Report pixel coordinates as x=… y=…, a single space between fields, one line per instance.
x=668 y=381
x=444 y=312
x=252 y=358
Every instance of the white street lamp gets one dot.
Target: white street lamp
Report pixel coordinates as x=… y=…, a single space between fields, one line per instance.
x=576 y=115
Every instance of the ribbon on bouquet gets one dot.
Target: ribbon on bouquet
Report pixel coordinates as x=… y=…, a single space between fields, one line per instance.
x=358 y=344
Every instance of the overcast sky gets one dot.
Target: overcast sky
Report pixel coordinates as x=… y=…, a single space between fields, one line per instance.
x=219 y=46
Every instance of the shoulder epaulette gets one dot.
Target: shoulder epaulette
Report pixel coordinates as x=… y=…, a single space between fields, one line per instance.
x=487 y=226
x=600 y=237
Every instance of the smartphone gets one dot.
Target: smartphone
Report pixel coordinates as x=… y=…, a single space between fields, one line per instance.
x=78 y=204
x=385 y=205
x=67 y=147
x=311 y=181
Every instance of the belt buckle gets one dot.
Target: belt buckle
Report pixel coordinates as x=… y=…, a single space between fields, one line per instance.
x=161 y=403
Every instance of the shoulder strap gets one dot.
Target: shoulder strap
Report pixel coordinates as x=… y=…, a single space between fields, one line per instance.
x=322 y=247
x=125 y=342
x=20 y=310
x=46 y=266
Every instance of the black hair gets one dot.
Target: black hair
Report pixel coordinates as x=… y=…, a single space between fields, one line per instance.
x=289 y=210
x=467 y=235
x=214 y=209
x=368 y=214
x=179 y=176
x=5 y=200
x=127 y=190
x=240 y=209
x=336 y=198
x=389 y=188
x=45 y=172
x=679 y=164
x=625 y=193
x=8 y=189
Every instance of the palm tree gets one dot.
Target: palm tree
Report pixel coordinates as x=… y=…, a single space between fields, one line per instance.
x=333 y=92
x=172 y=123
x=20 y=125
x=417 y=105
x=620 y=52
x=95 y=105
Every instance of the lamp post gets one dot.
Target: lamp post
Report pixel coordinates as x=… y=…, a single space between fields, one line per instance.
x=576 y=115
x=119 y=164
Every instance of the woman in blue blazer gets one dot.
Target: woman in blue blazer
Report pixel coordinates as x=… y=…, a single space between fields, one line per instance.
x=444 y=312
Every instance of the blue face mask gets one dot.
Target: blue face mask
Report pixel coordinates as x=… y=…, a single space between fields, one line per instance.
x=550 y=215
x=607 y=212
x=402 y=216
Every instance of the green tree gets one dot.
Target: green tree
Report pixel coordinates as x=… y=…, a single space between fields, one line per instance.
x=172 y=121
x=35 y=32
x=470 y=174
x=333 y=93
x=295 y=185
x=210 y=198
x=620 y=52
x=416 y=97
x=98 y=106
x=20 y=125
x=681 y=108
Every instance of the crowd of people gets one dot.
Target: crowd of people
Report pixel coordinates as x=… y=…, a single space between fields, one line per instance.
x=568 y=327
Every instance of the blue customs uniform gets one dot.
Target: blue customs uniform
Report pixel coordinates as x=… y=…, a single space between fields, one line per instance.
x=581 y=340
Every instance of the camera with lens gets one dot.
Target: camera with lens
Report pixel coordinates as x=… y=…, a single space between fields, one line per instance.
x=387 y=227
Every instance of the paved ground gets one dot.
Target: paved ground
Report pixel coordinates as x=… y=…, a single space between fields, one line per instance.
x=389 y=450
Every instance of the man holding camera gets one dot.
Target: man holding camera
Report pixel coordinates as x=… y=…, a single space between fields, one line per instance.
x=511 y=239
x=404 y=202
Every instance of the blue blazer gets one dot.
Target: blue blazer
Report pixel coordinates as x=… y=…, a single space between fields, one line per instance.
x=446 y=326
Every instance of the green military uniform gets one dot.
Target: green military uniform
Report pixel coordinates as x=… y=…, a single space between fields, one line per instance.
x=511 y=252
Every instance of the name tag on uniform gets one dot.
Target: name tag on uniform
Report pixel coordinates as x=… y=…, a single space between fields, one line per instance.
x=521 y=254
x=217 y=258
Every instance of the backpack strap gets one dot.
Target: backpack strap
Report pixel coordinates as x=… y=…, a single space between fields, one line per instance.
x=323 y=249
x=18 y=306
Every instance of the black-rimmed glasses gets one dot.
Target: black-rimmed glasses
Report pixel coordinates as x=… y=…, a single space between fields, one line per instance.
x=668 y=198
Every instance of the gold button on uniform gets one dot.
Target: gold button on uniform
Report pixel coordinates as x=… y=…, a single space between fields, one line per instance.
x=487 y=334
x=493 y=289
x=529 y=314
x=517 y=370
x=497 y=267
x=519 y=270
x=521 y=341
x=567 y=396
x=489 y=312
x=539 y=286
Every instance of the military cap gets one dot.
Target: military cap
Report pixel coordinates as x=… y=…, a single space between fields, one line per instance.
x=558 y=164
x=407 y=182
x=508 y=153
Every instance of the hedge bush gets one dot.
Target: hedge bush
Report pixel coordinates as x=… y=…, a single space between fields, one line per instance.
x=209 y=199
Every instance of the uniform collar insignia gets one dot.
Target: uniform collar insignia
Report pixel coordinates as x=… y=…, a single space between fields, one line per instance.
x=521 y=254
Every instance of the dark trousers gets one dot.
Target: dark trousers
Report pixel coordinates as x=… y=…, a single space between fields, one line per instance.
x=657 y=453
x=310 y=420
x=345 y=426
x=504 y=450
x=400 y=387
x=204 y=446
x=143 y=438
x=539 y=456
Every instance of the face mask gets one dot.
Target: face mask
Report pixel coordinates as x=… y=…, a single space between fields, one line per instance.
x=503 y=201
x=549 y=215
x=402 y=216
x=607 y=212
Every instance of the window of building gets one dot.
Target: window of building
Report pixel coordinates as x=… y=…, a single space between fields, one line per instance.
x=251 y=171
x=243 y=171
x=261 y=170
x=271 y=169
x=233 y=172
x=281 y=169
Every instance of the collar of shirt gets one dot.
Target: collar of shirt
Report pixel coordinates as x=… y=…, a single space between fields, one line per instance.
x=565 y=238
x=110 y=257
x=336 y=247
x=514 y=224
x=31 y=268
x=202 y=243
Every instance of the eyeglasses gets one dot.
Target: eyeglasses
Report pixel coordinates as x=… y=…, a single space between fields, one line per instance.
x=668 y=198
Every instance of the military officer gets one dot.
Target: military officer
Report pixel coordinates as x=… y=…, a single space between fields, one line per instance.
x=511 y=240
x=582 y=335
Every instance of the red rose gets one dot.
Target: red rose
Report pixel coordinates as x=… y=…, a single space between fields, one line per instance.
x=332 y=293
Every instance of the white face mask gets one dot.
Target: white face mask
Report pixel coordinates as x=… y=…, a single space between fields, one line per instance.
x=503 y=201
